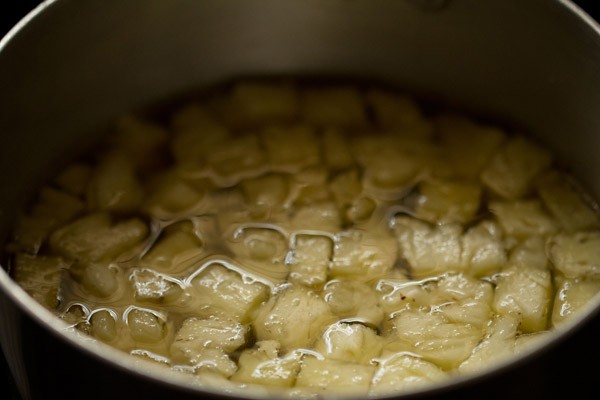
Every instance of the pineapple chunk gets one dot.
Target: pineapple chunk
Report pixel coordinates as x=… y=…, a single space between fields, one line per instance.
x=170 y=194
x=338 y=376
x=400 y=293
x=497 y=345
x=103 y=325
x=346 y=187
x=39 y=276
x=309 y=260
x=432 y=336
x=339 y=106
x=398 y=112
x=263 y=365
x=95 y=238
x=291 y=147
x=319 y=216
x=150 y=286
x=363 y=255
x=195 y=135
x=361 y=209
x=228 y=290
x=336 y=152
x=351 y=343
x=114 y=185
x=177 y=248
x=483 y=252
x=235 y=156
x=209 y=361
x=513 y=168
x=403 y=371
x=98 y=279
x=141 y=141
x=524 y=287
x=294 y=316
x=74 y=178
x=353 y=300
x=443 y=201
x=198 y=334
x=52 y=209
x=429 y=251
x=467 y=146
x=567 y=203
x=146 y=326
x=572 y=296
x=576 y=255
x=266 y=194
x=259 y=102
x=522 y=219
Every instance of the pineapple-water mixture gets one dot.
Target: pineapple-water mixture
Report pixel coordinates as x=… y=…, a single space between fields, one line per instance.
x=328 y=237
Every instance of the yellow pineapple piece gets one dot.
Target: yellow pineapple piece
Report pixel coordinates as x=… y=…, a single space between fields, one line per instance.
x=114 y=185
x=399 y=293
x=291 y=147
x=295 y=316
x=150 y=286
x=323 y=216
x=141 y=141
x=309 y=260
x=97 y=279
x=353 y=300
x=104 y=325
x=398 y=113
x=146 y=326
x=170 y=194
x=351 y=343
x=177 y=248
x=567 y=202
x=228 y=290
x=444 y=201
x=483 y=252
x=336 y=376
x=576 y=255
x=403 y=371
x=332 y=106
x=511 y=171
x=572 y=296
x=524 y=286
x=263 y=365
x=265 y=194
x=254 y=102
x=363 y=255
x=238 y=155
x=94 y=237
x=336 y=151
x=524 y=218
x=346 y=187
x=40 y=276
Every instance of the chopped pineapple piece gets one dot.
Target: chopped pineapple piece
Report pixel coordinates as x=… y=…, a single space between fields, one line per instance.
x=94 y=238
x=402 y=293
x=336 y=152
x=513 y=168
x=567 y=202
x=399 y=113
x=346 y=187
x=177 y=248
x=497 y=345
x=146 y=326
x=310 y=259
x=52 y=209
x=114 y=185
x=524 y=287
x=334 y=107
x=361 y=209
x=98 y=279
x=403 y=371
x=429 y=250
x=235 y=156
x=443 y=201
x=260 y=102
x=228 y=290
x=572 y=295
x=363 y=255
x=209 y=361
x=323 y=216
x=141 y=141
x=263 y=365
x=196 y=335
x=522 y=219
x=432 y=336
x=171 y=194
x=353 y=300
x=291 y=147
x=341 y=377
x=483 y=252
x=39 y=276
x=195 y=135
x=266 y=194
x=150 y=286
x=576 y=255
x=104 y=325
x=294 y=316
x=351 y=343
x=467 y=146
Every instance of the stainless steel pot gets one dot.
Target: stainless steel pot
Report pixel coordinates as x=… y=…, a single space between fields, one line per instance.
x=72 y=65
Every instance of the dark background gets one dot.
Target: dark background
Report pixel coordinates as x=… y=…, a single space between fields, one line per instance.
x=565 y=369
